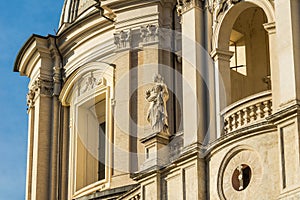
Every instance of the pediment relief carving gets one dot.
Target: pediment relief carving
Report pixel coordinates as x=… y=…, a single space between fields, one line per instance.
x=90 y=82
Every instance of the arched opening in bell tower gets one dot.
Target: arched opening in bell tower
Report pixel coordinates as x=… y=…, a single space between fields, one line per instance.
x=249 y=64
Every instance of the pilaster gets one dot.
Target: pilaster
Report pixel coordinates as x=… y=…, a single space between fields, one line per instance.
x=288 y=50
x=64 y=154
x=286 y=115
x=122 y=123
x=41 y=133
x=194 y=72
x=275 y=76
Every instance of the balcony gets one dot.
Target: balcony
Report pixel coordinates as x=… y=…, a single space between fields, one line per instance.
x=246 y=112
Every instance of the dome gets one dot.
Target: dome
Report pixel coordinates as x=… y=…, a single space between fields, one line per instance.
x=73 y=9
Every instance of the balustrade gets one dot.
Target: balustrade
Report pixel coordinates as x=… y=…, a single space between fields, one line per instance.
x=247 y=111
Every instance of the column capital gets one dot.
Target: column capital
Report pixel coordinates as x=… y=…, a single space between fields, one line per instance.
x=39 y=87
x=185 y=5
x=219 y=54
x=270 y=27
x=30 y=99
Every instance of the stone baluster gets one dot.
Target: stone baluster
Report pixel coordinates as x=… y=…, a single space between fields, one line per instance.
x=239 y=118
x=246 y=115
x=259 y=111
x=234 y=121
x=252 y=113
x=229 y=119
x=267 y=108
x=226 y=125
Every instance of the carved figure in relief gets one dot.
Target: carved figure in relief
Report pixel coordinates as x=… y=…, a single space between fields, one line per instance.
x=240 y=177
x=89 y=84
x=122 y=39
x=149 y=33
x=157 y=112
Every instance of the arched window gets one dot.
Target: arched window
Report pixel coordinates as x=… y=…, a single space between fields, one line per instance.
x=90 y=130
x=242 y=60
x=250 y=68
x=89 y=93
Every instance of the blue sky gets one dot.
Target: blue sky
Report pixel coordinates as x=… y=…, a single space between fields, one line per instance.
x=18 y=21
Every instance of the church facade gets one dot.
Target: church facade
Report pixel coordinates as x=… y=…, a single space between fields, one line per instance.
x=165 y=99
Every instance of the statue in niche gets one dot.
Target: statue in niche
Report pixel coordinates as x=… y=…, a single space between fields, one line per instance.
x=240 y=177
x=157 y=113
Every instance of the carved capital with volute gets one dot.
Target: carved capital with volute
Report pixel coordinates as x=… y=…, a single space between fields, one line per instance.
x=39 y=87
x=185 y=5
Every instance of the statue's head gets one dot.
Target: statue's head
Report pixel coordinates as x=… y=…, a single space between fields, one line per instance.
x=158 y=78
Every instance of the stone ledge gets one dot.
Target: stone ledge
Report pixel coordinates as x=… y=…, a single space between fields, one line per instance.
x=109 y=193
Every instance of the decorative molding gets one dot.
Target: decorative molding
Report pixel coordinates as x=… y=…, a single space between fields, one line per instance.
x=185 y=5
x=39 y=87
x=144 y=35
x=30 y=99
x=43 y=87
x=113 y=102
x=122 y=39
x=241 y=154
x=216 y=7
x=218 y=54
x=149 y=33
x=89 y=83
x=270 y=27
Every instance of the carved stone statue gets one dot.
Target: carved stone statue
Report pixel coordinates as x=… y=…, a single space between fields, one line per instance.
x=240 y=177
x=157 y=112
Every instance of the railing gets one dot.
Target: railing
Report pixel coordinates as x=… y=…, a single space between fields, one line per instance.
x=248 y=111
x=136 y=197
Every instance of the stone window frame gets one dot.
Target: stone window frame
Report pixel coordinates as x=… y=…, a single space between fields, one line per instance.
x=95 y=93
x=70 y=95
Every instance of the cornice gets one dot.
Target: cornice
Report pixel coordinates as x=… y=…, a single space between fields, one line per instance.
x=285 y=113
x=34 y=48
x=241 y=134
x=83 y=28
x=270 y=27
x=218 y=54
